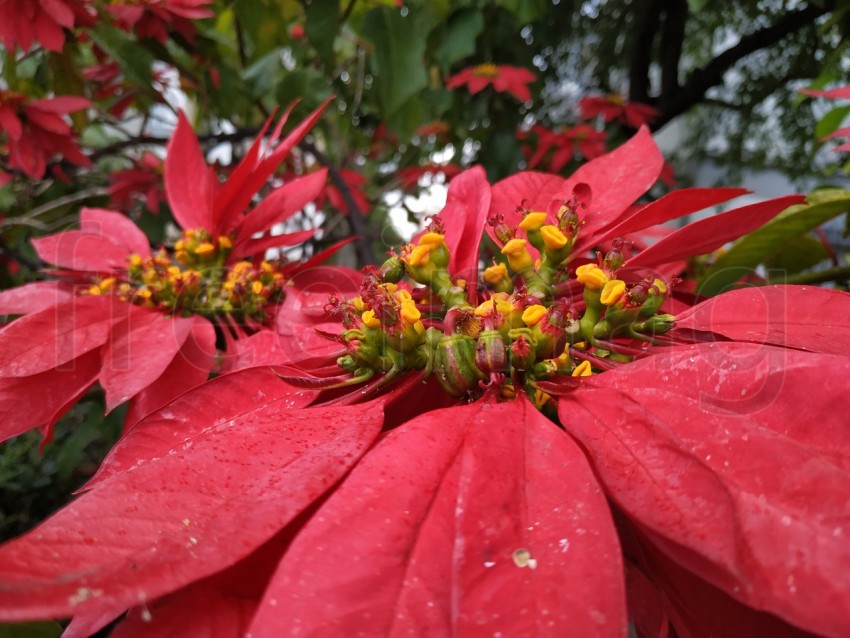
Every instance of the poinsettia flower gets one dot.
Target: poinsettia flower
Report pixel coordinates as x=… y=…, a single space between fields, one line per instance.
x=613 y=108
x=36 y=131
x=24 y=22
x=563 y=144
x=503 y=78
x=688 y=467
x=144 y=324
x=840 y=93
x=154 y=18
x=142 y=183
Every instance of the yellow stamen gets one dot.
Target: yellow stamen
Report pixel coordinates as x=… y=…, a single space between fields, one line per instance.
x=592 y=276
x=495 y=273
x=432 y=240
x=533 y=221
x=419 y=256
x=409 y=312
x=612 y=291
x=402 y=295
x=553 y=237
x=225 y=242
x=257 y=287
x=205 y=249
x=532 y=315
x=518 y=256
x=358 y=304
x=135 y=261
x=370 y=320
x=582 y=370
x=487 y=70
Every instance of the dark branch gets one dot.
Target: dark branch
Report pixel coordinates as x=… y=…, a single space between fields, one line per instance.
x=672 y=41
x=712 y=74
x=646 y=14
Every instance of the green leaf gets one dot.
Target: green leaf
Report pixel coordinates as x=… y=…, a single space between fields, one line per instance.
x=526 y=10
x=31 y=630
x=264 y=74
x=321 y=27
x=831 y=121
x=459 y=35
x=135 y=60
x=795 y=256
x=398 y=60
x=308 y=85
x=753 y=249
x=697 y=5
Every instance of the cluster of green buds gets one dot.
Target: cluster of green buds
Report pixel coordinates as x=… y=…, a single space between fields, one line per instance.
x=196 y=278
x=412 y=315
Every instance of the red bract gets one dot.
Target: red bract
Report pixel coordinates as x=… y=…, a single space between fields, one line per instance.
x=153 y=18
x=503 y=78
x=144 y=324
x=555 y=443
x=37 y=133
x=142 y=183
x=613 y=108
x=23 y=22
x=409 y=177
x=354 y=182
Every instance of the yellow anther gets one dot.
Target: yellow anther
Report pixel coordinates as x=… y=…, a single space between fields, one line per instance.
x=419 y=256
x=612 y=291
x=358 y=304
x=532 y=315
x=228 y=285
x=205 y=249
x=505 y=308
x=144 y=293
x=402 y=295
x=592 y=276
x=266 y=267
x=95 y=290
x=508 y=391
x=174 y=272
x=419 y=327
x=582 y=370
x=225 y=242
x=107 y=283
x=518 y=255
x=540 y=398
x=257 y=287
x=390 y=288
x=533 y=221
x=553 y=237
x=495 y=273
x=135 y=261
x=484 y=309
x=240 y=267
x=409 y=312
x=182 y=256
x=370 y=320
x=432 y=240
x=660 y=286
x=180 y=245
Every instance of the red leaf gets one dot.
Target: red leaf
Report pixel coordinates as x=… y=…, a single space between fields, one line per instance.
x=190 y=185
x=205 y=504
x=281 y=204
x=804 y=317
x=56 y=335
x=79 y=250
x=259 y=246
x=39 y=400
x=476 y=537
x=708 y=234
x=465 y=215
x=140 y=348
x=707 y=448
x=671 y=206
x=226 y=398
x=190 y=367
x=31 y=298
x=529 y=188
x=117 y=227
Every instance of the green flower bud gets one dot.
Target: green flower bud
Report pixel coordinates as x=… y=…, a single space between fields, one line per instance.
x=490 y=353
x=392 y=270
x=455 y=365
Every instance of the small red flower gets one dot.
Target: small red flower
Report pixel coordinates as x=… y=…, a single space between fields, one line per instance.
x=153 y=18
x=36 y=132
x=23 y=22
x=503 y=79
x=142 y=183
x=145 y=324
x=613 y=107
x=563 y=144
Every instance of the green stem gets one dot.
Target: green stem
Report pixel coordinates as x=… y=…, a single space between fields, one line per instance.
x=821 y=276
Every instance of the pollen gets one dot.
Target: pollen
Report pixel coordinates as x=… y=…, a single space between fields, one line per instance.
x=419 y=256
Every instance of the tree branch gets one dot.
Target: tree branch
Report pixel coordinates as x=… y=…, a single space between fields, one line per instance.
x=712 y=74
x=646 y=14
x=672 y=41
